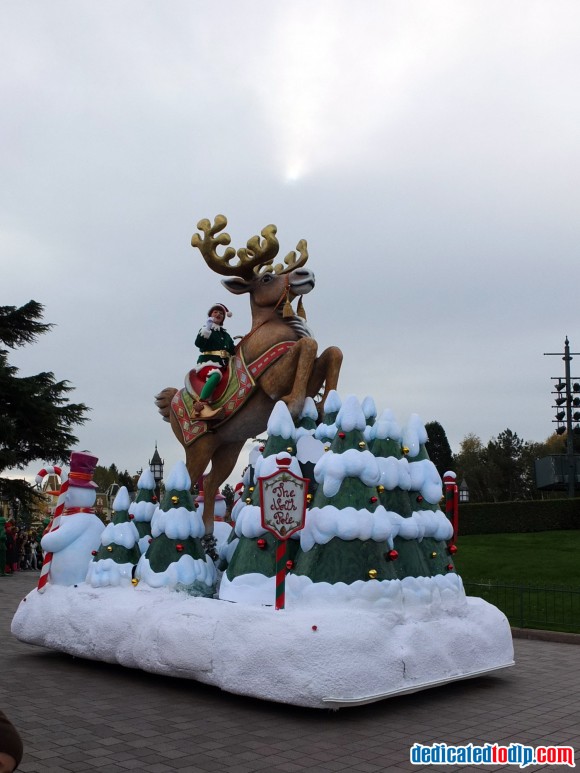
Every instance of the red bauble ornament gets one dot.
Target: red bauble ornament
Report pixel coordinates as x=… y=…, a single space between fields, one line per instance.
x=261 y=543
x=342 y=435
x=315 y=628
x=452 y=549
x=374 y=499
x=150 y=540
x=131 y=516
x=154 y=498
x=392 y=555
x=419 y=498
x=289 y=565
x=93 y=552
x=179 y=547
x=450 y=567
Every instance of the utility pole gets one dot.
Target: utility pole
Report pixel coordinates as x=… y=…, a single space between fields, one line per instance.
x=570 y=460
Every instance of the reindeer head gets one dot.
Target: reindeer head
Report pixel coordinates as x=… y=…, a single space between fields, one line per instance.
x=255 y=272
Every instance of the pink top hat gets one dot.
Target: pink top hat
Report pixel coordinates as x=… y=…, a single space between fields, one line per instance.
x=82 y=467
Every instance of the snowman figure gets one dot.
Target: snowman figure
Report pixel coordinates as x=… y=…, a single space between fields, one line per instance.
x=77 y=531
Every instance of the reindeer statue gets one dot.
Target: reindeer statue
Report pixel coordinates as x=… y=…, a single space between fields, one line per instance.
x=276 y=360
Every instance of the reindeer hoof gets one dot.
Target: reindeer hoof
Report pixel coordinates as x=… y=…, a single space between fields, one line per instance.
x=294 y=406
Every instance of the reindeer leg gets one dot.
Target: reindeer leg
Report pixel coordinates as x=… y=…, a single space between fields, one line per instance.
x=304 y=357
x=222 y=464
x=325 y=371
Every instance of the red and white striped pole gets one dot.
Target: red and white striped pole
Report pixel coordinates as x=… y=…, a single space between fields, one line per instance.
x=452 y=501
x=54 y=524
x=280 y=574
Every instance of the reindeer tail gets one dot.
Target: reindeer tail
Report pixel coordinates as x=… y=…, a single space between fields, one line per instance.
x=163 y=401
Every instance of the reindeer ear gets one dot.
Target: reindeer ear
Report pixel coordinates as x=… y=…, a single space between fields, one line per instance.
x=236 y=285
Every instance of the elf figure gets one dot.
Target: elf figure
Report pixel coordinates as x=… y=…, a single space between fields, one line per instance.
x=216 y=347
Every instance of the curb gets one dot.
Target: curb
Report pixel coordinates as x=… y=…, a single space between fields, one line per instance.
x=561 y=637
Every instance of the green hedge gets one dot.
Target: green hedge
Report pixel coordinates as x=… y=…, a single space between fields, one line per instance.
x=504 y=517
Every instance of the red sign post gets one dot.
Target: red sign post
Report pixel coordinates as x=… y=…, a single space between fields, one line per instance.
x=283 y=510
x=452 y=501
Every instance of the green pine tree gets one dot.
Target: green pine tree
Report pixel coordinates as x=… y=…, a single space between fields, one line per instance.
x=119 y=552
x=426 y=498
x=143 y=507
x=175 y=557
x=387 y=447
x=256 y=549
x=36 y=418
x=347 y=560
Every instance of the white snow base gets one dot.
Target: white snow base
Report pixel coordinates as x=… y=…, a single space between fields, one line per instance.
x=322 y=656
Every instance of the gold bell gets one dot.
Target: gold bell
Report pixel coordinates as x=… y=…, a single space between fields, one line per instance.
x=175 y=499
x=362 y=444
x=134 y=581
x=405 y=450
x=381 y=489
x=373 y=574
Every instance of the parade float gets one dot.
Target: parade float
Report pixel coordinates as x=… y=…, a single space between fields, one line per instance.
x=335 y=584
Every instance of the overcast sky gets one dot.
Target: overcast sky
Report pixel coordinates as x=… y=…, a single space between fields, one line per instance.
x=427 y=151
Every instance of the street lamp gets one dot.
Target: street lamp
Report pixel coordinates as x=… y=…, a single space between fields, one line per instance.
x=156 y=466
x=564 y=405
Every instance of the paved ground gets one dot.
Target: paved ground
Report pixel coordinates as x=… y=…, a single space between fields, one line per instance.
x=77 y=715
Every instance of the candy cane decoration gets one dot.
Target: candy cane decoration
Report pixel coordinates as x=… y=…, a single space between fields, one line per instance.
x=54 y=524
x=47 y=471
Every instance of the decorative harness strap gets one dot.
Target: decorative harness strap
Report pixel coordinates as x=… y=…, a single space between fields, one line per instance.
x=192 y=428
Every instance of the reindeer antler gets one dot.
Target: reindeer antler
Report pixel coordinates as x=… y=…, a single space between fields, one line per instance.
x=255 y=258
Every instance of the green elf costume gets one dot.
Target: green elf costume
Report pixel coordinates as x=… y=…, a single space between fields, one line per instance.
x=216 y=347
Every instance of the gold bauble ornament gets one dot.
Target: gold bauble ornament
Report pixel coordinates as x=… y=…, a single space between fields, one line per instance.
x=289 y=449
x=434 y=554
x=362 y=444
x=175 y=500
x=381 y=489
x=110 y=549
x=248 y=500
x=251 y=488
x=309 y=497
x=373 y=574
x=134 y=581
x=405 y=450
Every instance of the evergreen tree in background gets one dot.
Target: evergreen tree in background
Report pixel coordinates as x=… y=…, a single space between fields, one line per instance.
x=438 y=448
x=36 y=418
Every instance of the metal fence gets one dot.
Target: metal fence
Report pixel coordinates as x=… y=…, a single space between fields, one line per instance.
x=527 y=606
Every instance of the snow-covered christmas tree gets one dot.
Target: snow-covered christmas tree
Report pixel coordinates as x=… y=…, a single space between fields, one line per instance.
x=114 y=562
x=143 y=507
x=386 y=444
x=326 y=430
x=309 y=449
x=250 y=575
x=345 y=538
x=425 y=494
x=362 y=538
x=175 y=557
